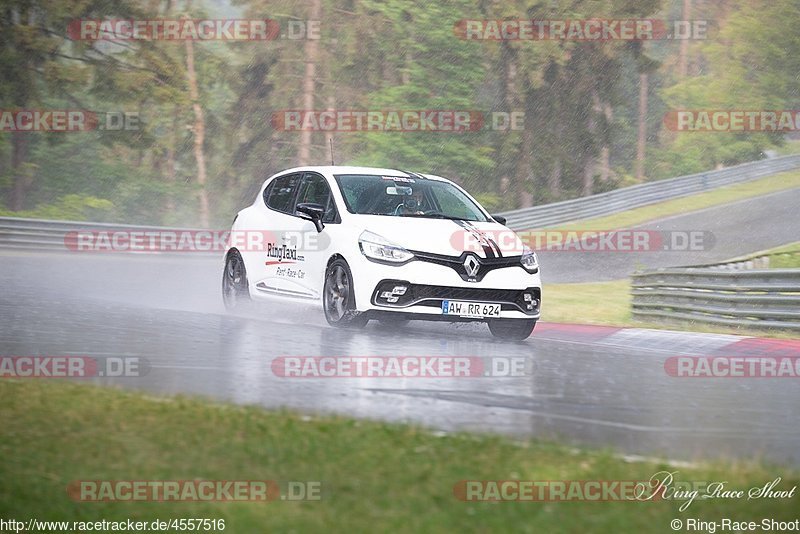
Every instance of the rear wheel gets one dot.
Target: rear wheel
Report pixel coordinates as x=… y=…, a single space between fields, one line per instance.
x=338 y=297
x=512 y=329
x=235 y=293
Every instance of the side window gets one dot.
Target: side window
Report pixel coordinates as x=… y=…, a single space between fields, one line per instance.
x=267 y=191
x=315 y=189
x=281 y=193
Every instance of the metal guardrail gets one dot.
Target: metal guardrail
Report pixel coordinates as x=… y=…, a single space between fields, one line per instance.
x=761 y=298
x=54 y=236
x=759 y=260
x=35 y=234
x=644 y=194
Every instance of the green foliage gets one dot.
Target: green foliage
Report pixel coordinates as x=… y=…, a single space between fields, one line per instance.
x=491 y=201
x=374 y=476
x=579 y=99
x=69 y=208
x=433 y=72
x=751 y=63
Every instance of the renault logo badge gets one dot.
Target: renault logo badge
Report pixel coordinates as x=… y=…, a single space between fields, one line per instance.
x=471 y=266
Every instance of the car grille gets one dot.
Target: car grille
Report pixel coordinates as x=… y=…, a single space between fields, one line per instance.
x=465 y=293
x=485 y=265
x=432 y=296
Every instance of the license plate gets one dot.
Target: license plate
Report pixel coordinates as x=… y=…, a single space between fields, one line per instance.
x=470 y=309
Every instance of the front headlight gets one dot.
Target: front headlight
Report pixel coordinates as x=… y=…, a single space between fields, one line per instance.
x=377 y=248
x=529 y=260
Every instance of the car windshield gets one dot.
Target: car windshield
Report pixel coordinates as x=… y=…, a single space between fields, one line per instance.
x=400 y=196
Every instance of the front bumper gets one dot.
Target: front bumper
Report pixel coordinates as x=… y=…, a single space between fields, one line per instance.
x=429 y=283
x=425 y=298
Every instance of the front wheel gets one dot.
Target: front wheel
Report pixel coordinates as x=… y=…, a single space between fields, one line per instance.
x=512 y=329
x=339 y=299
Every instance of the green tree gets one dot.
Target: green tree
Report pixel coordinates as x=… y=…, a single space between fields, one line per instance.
x=751 y=64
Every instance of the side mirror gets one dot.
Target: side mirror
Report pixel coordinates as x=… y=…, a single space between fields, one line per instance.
x=498 y=218
x=312 y=212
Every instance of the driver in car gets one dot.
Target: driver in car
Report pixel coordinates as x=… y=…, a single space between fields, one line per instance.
x=413 y=204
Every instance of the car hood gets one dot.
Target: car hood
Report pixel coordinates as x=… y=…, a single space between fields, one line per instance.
x=444 y=236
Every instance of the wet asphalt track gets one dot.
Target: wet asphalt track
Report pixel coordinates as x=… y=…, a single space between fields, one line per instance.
x=738 y=228
x=581 y=386
x=577 y=387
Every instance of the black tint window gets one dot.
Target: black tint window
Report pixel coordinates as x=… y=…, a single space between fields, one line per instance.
x=282 y=193
x=315 y=189
x=267 y=191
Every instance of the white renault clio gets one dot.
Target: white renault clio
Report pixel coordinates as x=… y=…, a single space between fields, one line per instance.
x=368 y=243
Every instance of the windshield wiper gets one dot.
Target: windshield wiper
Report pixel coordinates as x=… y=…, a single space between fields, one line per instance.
x=434 y=215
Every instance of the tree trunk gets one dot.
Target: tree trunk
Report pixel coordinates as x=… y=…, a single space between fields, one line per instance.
x=523 y=174
x=605 y=152
x=641 y=143
x=172 y=173
x=508 y=69
x=604 y=109
x=3 y=164
x=554 y=180
x=588 y=176
x=20 y=142
x=589 y=156
x=524 y=171
x=684 y=46
x=555 y=145
x=588 y=168
x=508 y=98
x=605 y=156
x=199 y=132
x=311 y=53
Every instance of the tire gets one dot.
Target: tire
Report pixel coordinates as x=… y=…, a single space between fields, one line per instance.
x=235 y=290
x=512 y=329
x=339 y=299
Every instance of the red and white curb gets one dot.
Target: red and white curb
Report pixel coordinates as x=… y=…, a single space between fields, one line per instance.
x=668 y=341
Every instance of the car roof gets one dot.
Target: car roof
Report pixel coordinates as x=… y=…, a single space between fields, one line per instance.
x=343 y=169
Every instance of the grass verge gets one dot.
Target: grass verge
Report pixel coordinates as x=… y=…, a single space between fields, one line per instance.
x=717 y=197
x=606 y=303
x=375 y=476
x=789 y=147
x=785 y=257
x=609 y=303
